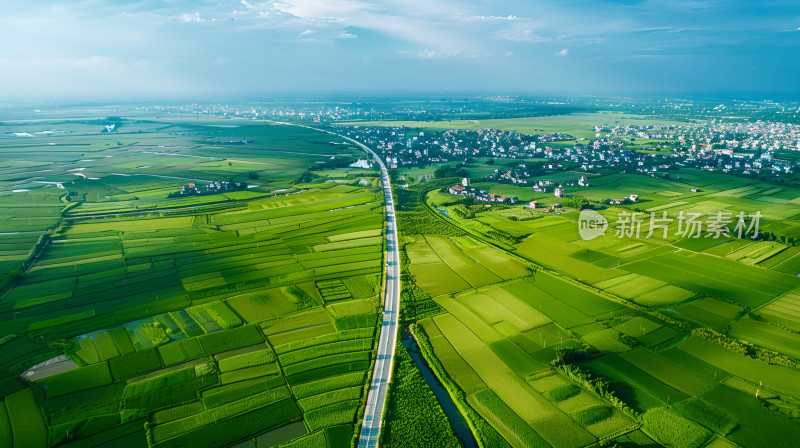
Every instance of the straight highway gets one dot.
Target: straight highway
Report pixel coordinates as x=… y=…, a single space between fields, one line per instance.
x=384 y=360
x=382 y=374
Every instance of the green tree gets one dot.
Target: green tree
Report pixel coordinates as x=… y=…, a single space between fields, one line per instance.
x=450 y=171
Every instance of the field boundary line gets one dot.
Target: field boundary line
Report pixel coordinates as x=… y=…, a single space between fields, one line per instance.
x=384 y=360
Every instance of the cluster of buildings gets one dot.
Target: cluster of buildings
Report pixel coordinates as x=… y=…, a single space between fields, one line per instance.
x=324 y=111
x=714 y=137
x=515 y=175
x=361 y=163
x=465 y=190
x=535 y=205
x=522 y=173
x=215 y=187
x=541 y=186
x=604 y=155
x=400 y=149
x=632 y=199
x=744 y=149
x=652 y=132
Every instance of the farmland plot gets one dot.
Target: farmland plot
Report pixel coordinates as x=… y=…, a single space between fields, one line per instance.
x=193 y=318
x=716 y=277
x=784 y=311
x=632 y=305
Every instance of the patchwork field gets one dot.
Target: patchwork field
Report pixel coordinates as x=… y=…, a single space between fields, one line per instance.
x=136 y=315
x=650 y=337
x=784 y=311
x=243 y=317
x=446 y=265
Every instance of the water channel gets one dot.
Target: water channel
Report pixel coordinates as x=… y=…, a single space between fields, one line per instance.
x=457 y=421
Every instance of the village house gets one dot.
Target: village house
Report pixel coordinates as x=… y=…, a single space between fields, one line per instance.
x=480 y=195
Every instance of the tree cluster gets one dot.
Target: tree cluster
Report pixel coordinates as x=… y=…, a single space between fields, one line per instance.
x=597 y=385
x=783 y=239
x=745 y=348
x=450 y=171
x=576 y=202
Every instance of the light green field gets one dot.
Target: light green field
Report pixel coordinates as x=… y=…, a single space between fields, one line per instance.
x=633 y=302
x=473 y=272
x=766 y=335
x=710 y=312
x=784 y=311
x=192 y=319
x=578 y=125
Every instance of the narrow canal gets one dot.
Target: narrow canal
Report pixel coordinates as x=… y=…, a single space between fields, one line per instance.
x=457 y=421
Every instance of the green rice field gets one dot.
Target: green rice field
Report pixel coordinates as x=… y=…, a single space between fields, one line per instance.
x=245 y=317
x=618 y=317
x=134 y=315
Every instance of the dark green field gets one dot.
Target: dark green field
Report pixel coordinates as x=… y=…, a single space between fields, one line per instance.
x=131 y=316
x=244 y=317
x=639 y=341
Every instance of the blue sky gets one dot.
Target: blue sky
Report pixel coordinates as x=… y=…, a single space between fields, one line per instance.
x=155 y=48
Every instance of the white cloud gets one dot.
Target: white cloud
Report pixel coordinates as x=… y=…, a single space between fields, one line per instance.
x=187 y=17
x=492 y=18
x=176 y=39
x=427 y=24
x=520 y=35
x=432 y=54
x=332 y=10
x=439 y=54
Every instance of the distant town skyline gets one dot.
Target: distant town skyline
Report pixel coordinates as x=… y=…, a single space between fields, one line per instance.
x=122 y=49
